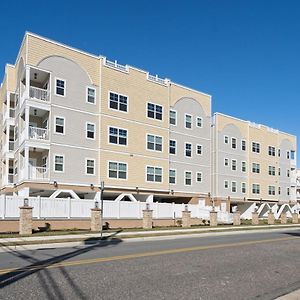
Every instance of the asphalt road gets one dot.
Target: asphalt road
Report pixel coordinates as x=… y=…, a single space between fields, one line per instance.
x=245 y=266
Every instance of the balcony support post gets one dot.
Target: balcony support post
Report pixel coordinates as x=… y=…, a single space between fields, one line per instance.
x=27 y=122
x=7 y=138
x=6 y=170
x=26 y=163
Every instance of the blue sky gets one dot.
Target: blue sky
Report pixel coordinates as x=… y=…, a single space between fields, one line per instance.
x=246 y=54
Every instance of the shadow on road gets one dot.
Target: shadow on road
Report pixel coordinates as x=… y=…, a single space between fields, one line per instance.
x=293 y=233
x=46 y=280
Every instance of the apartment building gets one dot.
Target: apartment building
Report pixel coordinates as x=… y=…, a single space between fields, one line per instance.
x=71 y=119
x=252 y=161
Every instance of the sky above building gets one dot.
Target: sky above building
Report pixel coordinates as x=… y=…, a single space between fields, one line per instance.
x=245 y=53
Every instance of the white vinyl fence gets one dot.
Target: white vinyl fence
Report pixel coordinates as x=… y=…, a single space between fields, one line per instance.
x=68 y=208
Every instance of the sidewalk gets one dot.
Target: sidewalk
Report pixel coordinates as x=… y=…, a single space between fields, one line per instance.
x=141 y=235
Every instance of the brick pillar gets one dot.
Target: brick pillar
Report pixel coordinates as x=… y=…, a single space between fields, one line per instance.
x=283 y=219
x=295 y=218
x=147 y=218
x=236 y=218
x=271 y=219
x=25 y=221
x=213 y=217
x=255 y=220
x=186 y=218
x=96 y=220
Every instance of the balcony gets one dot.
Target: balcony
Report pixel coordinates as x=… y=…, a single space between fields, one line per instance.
x=39 y=94
x=38 y=173
x=36 y=133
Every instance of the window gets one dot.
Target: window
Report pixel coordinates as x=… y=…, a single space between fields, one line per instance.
x=60 y=125
x=243 y=187
x=173 y=117
x=199 y=122
x=255 y=147
x=188 y=121
x=188 y=178
x=118 y=102
x=288 y=191
x=117 y=170
x=90 y=95
x=154 y=111
x=172 y=147
x=279 y=190
x=172 y=176
x=226 y=185
x=278 y=152
x=188 y=149
x=243 y=166
x=233 y=165
x=233 y=143
x=243 y=145
x=90 y=131
x=58 y=163
x=154 y=142
x=288 y=154
x=287 y=173
x=199 y=149
x=226 y=162
x=255 y=188
x=279 y=171
x=233 y=186
x=117 y=136
x=226 y=139
x=154 y=174
x=199 y=177
x=271 y=190
x=271 y=170
x=271 y=151
x=90 y=167
x=255 y=168
x=293 y=154
x=44 y=162
x=60 y=87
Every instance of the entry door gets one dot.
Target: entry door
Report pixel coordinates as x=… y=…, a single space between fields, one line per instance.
x=32 y=168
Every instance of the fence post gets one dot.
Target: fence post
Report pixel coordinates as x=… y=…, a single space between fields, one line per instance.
x=39 y=207
x=69 y=207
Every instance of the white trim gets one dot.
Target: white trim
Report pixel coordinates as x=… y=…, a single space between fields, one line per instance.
x=117 y=162
x=87 y=94
x=113 y=109
x=86 y=131
x=118 y=128
x=189 y=135
x=94 y=169
x=155 y=136
x=185 y=150
x=55 y=86
x=155 y=104
x=155 y=167
x=64 y=127
x=63 y=165
x=185 y=115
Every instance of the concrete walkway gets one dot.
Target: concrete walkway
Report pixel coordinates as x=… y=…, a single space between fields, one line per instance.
x=141 y=235
x=291 y=296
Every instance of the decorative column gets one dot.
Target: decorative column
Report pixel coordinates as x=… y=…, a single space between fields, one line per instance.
x=255 y=220
x=96 y=220
x=236 y=218
x=25 y=221
x=271 y=219
x=283 y=218
x=295 y=218
x=213 y=218
x=147 y=217
x=186 y=217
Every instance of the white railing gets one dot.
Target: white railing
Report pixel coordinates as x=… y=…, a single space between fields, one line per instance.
x=37 y=93
x=38 y=173
x=157 y=79
x=115 y=65
x=37 y=133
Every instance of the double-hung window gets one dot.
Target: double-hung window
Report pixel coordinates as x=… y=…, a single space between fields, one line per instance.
x=255 y=147
x=188 y=178
x=244 y=187
x=154 y=111
x=117 y=136
x=199 y=149
x=255 y=168
x=60 y=125
x=233 y=186
x=199 y=122
x=172 y=176
x=271 y=150
x=118 y=102
x=272 y=170
x=255 y=188
x=90 y=166
x=117 y=170
x=226 y=162
x=173 y=117
x=199 y=176
x=233 y=143
x=243 y=145
x=154 y=174
x=90 y=95
x=172 y=147
x=243 y=166
x=188 y=121
x=271 y=190
x=233 y=165
x=90 y=131
x=154 y=142
x=59 y=163
x=188 y=149
x=60 y=87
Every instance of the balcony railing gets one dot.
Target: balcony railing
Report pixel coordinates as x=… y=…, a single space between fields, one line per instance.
x=36 y=173
x=11 y=146
x=37 y=93
x=36 y=133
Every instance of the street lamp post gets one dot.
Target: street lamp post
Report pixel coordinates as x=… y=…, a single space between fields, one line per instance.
x=101 y=198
